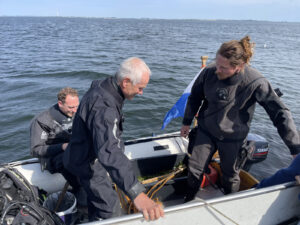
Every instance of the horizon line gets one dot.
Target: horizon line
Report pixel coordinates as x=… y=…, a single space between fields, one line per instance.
x=149 y=18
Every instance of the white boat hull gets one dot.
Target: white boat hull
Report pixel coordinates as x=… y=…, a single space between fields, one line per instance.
x=144 y=151
x=267 y=206
x=271 y=205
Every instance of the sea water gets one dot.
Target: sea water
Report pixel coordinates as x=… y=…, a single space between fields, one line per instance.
x=41 y=55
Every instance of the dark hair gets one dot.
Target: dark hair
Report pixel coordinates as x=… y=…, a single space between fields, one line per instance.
x=62 y=94
x=237 y=52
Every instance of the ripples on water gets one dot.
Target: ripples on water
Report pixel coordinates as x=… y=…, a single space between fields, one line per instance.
x=39 y=56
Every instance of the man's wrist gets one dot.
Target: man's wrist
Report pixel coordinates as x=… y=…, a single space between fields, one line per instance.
x=135 y=190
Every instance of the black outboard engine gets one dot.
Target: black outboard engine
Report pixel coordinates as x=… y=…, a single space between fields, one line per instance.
x=260 y=151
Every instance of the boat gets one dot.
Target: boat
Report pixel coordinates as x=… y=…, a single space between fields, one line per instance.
x=168 y=154
x=273 y=205
x=164 y=151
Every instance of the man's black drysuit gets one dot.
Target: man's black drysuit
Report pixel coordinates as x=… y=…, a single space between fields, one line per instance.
x=48 y=132
x=224 y=121
x=96 y=149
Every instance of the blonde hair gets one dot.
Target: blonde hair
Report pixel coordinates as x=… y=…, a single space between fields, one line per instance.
x=63 y=93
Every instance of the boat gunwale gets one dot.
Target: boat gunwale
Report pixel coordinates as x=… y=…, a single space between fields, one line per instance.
x=146 y=139
x=195 y=203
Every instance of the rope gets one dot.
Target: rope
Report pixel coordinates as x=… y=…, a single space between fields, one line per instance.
x=128 y=205
x=126 y=202
x=164 y=181
x=218 y=211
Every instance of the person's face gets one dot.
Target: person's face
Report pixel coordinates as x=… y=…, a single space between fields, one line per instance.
x=69 y=107
x=224 y=69
x=130 y=90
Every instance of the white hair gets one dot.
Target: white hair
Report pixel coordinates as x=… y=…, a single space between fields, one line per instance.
x=132 y=68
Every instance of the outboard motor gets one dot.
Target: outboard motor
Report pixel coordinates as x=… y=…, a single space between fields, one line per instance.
x=260 y=151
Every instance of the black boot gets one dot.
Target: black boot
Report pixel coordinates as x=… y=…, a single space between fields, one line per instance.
x=193 y=186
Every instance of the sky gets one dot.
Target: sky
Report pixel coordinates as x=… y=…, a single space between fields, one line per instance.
x=268 y=10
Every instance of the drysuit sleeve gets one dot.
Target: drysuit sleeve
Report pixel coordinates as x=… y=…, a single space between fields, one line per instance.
x=39 y=133
x=195 y=99
x=279 y=114
x=109 y=149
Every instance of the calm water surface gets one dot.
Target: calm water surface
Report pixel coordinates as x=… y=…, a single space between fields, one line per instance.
x=39 y=56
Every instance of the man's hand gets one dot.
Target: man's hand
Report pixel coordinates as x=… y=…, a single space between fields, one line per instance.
x=149 y=208
x=185 y=130
x=64 y=146
x=297 y=178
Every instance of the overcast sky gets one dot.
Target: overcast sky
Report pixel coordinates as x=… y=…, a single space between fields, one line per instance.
x=270 y=10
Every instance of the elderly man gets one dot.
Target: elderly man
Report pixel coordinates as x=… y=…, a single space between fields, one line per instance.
x=96 y=146
x=50 y=133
